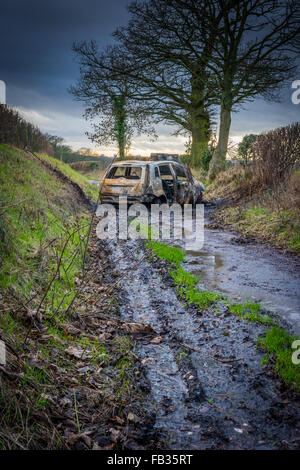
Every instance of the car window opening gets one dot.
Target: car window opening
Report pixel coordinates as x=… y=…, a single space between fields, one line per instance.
x=180 y=174
x=167 y=181
x=128 y=172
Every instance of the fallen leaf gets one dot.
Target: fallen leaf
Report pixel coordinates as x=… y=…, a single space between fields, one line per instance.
x=72 y=330
x=147 y=360
x=118 y=420
x=34 y=314
x=84 y=370
x=96 y=446
x=77 y=352
x=115 y=434
x=132 y=417
x=156 y=340
x=72 y=438
x=137 y=328
x=65 y=402
x=48 y=397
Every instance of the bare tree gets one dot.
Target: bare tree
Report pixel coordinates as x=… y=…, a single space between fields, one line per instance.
x=107 y=97
x=168 y=48
x=177 y=60
x=186 y=56
x=253 y=56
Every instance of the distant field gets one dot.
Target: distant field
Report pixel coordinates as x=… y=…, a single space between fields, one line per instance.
x=77 y=157
x=90 y=169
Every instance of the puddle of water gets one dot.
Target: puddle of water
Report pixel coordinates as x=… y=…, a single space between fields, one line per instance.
x=247 y=272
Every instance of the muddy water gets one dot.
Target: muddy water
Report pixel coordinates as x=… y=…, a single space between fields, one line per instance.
x=207 y=384
x=249 y=271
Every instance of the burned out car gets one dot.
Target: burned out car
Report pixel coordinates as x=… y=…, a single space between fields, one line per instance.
x=156 y=181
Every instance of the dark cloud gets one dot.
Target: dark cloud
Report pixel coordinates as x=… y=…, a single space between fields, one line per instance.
x=36 y=39
x=38 y=66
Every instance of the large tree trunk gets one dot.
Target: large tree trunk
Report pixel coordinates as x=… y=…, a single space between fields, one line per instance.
x=217 y=163
x=200 y=122
x=121 y=152
x=120 y=116
x=200 y=138
x=121 y=142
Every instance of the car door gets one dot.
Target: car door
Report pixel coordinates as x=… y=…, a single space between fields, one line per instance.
x=156 y=181
x=168 y=179
x=183 y=183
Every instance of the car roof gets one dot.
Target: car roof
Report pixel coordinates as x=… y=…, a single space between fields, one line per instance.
x=142 y=163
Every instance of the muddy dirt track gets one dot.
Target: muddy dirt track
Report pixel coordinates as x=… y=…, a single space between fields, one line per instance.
x=208 y=387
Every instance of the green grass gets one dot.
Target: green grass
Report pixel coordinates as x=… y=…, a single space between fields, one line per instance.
x=172 y=254
x=97 y=350
x=278 y=346
x=185 y=284
x=37 y=376
x=251 y=312
x=255 y=211
x=203 y=299
x=124 y=368
x=90 y=190
x=8 y=324
x=43 y=236
x=183 y=278
x=280 y=227
x=42 y=403
x=40 y=225
x=294 y=242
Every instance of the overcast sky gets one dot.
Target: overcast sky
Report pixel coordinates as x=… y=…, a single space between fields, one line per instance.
x=37 y=65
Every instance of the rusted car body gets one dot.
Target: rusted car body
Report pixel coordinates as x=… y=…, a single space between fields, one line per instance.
x=160 y=181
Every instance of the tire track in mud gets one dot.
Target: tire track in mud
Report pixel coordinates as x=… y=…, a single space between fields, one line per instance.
x=207 y=383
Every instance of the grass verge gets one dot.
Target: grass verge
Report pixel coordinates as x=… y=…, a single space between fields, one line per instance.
x=68 y=372
x=269 y=214
x=172 y=254
x=278 y=345
x=90 y=190
x=278 y=226
x=251 y=312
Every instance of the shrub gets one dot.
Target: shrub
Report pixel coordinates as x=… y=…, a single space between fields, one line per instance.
x=276 y=153
x=14 y=130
